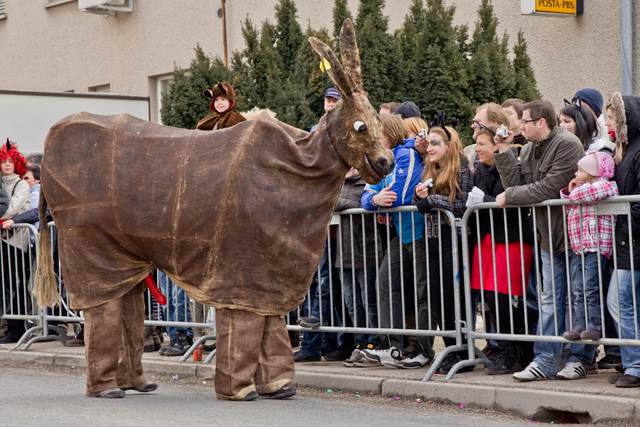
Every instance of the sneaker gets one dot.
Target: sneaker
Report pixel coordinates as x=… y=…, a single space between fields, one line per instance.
x=387 y=356
x=180 y=347
x=572 y=371
x=591 y=334
x=361 y=361
x=162 y=350
x=356 y=354
x=609 y=362
x=573 y=335
x=145 y=387
x=530 y=373
x=414 y=361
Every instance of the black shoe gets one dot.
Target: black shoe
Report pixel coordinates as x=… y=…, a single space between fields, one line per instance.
x=299 y=356
x=180 y=347
x=342 y=353
x=609 y=362
x=8 y=339
x=252 y=395
x=284 y=392
x=209 y=347
x=145 y=387
x=449 y=361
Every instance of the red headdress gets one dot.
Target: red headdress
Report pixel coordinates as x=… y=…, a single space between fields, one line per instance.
x=11 y=150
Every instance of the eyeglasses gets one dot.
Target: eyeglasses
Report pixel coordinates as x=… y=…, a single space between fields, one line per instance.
x=481 y=126
x=529 y=121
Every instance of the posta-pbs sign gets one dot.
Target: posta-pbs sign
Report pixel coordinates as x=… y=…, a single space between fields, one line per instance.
x=552 y=7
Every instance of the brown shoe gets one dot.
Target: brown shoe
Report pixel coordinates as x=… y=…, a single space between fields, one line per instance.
x=615 y=377
x=628 y=381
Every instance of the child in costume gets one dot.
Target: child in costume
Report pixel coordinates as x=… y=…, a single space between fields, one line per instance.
x=223 y=105
x=590 y=185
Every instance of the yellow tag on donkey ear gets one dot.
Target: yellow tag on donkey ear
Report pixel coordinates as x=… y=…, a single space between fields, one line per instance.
x=325 y=65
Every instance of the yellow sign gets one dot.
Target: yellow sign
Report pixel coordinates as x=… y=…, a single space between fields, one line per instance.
x=556 y=6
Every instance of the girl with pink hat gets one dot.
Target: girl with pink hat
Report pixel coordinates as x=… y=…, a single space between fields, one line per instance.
x=592 y=242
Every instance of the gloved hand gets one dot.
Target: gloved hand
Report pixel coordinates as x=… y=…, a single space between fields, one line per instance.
x=476 y=196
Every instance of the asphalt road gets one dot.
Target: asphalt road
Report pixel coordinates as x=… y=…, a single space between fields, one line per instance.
x=55 y=397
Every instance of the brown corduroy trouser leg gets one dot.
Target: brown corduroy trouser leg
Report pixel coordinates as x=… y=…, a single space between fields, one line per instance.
x=113 y=342
x=251 y=347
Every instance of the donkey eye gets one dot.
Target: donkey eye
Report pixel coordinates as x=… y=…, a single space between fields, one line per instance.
x=359 y=126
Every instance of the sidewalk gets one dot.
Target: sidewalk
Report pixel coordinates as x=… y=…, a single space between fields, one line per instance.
x=591 y=398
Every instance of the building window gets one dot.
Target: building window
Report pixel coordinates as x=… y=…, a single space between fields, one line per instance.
x=162 y=86
x=101 y=88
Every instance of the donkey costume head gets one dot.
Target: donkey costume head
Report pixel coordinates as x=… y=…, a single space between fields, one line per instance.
x=353 y=124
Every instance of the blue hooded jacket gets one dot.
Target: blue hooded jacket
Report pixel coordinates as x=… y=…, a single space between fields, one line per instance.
x=404 y=178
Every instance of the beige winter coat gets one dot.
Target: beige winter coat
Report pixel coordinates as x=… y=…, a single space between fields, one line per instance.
x=20 y=203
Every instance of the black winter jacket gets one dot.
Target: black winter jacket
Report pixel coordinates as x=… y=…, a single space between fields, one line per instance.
x=627 y=177
x=487 y=179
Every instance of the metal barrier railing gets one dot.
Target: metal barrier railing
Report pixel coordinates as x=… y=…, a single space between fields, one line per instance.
x=404 y=293
x=563 y=308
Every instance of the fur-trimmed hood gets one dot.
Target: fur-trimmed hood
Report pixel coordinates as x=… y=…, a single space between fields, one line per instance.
x=626 y=110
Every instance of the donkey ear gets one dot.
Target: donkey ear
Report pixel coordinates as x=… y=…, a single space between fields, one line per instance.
x=336 y=72
x=351 y=55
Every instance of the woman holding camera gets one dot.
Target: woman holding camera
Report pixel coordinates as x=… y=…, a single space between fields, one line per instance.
x=500 y=269
x=452 y=178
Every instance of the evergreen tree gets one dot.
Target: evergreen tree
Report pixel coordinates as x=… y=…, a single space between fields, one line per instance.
x=289 y=34
x=183 y=104
x=407 y=37
x=525 y=86
x=441 y=80
x=378 y=52
x=491 y=76
x=304 y=90
x=340 y=14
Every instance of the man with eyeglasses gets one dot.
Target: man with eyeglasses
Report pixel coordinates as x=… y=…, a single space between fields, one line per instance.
x=486 y=114
x=547 y=164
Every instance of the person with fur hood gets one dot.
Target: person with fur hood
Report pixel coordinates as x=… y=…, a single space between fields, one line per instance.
x=15 y=244
x=623 y=121
x=223 y=105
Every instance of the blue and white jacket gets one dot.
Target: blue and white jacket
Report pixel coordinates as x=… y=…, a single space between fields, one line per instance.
x=405 y=176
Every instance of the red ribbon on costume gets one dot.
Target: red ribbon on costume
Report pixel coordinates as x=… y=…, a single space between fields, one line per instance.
x=153 y=289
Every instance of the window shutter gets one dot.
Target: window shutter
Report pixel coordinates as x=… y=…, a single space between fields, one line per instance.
x=1 y=7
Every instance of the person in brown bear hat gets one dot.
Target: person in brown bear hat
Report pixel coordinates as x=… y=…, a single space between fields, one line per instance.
x=223 y=105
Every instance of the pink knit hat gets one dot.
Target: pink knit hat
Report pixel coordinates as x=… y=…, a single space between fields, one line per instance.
x=598 y=164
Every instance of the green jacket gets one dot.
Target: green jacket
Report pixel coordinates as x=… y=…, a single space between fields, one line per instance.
x=545 y=168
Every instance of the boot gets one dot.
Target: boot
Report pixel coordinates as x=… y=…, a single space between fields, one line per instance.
x=180 y=347
x=508 y=362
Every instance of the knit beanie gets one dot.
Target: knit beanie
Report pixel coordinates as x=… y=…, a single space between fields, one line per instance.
x=598 y=164
x=407 y=109
x=592 y=98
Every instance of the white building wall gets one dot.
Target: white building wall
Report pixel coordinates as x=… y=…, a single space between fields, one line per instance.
x=60 y=48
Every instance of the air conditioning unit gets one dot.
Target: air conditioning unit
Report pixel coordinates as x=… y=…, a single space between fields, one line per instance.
x=108 y=7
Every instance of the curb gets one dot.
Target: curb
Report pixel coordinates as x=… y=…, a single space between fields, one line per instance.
x=522 y=402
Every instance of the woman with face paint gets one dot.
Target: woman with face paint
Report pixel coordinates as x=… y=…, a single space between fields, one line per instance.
x=452 y=177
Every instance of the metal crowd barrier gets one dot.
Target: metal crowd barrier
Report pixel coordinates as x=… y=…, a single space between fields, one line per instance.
x=402 y=281
x=610 y=208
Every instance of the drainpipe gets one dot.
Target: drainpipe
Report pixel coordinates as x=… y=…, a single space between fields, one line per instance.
x=224 y=33
x=626 y=46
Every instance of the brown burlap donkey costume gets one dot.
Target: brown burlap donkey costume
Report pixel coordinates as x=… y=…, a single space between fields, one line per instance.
x=240 y=226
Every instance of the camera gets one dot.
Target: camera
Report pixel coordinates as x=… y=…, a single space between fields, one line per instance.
x=503 y=132
x=423 y=133
x=428 y=183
